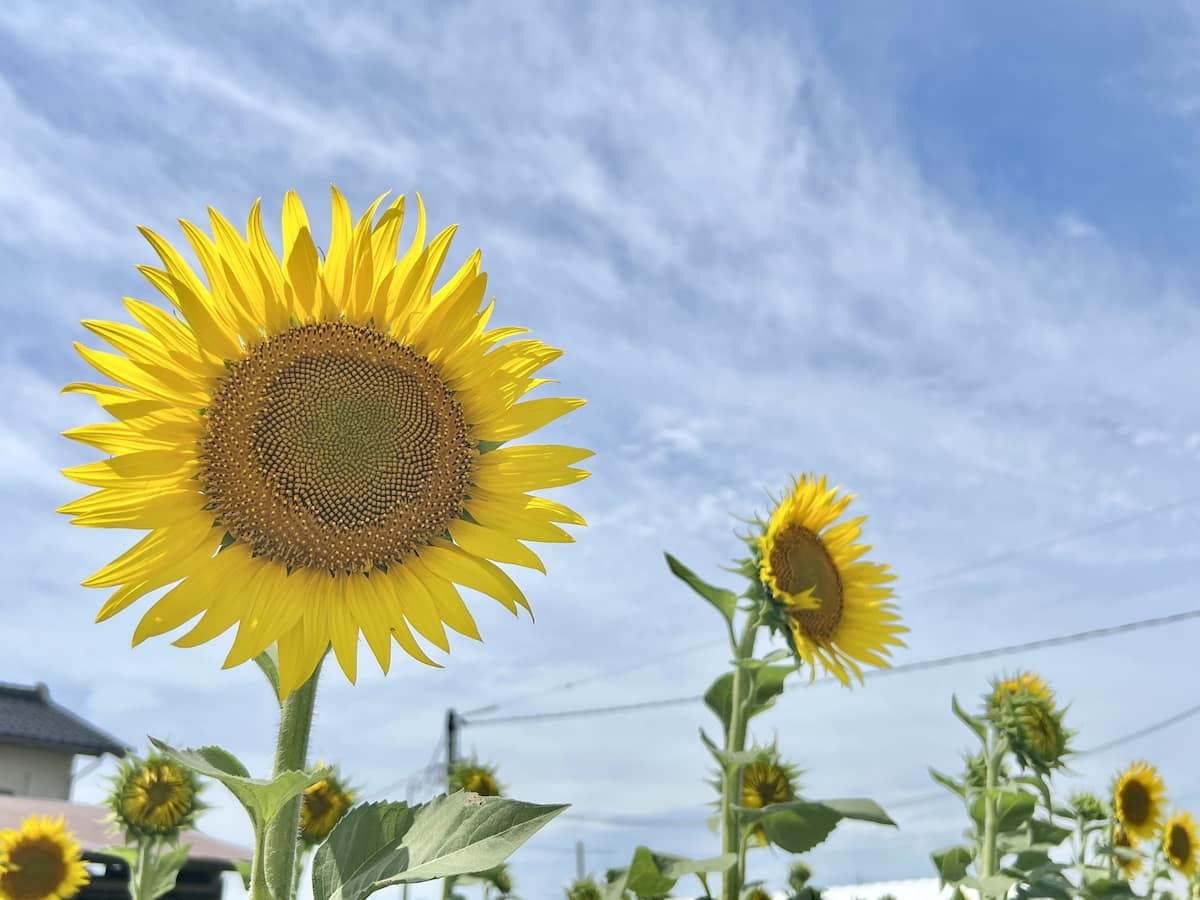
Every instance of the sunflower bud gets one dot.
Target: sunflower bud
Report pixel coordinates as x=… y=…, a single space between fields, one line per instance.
x=154 y=797
x=765 y=781
x=1034 y=729
x=584 y=889
x=1088 y=807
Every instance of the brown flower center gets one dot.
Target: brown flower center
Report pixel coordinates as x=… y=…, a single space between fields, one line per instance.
x=36 y=870
x=334 y=446
x=1135 y=802
x=799 y=562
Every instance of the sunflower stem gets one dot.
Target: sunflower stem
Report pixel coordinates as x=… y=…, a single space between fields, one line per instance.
x=735 y=742
x=992 y=752
x=282 y=834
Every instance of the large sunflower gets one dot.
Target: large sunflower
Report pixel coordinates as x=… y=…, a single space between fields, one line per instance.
x=334 y=425
x=837 y=607
x=40 y=861
x=1139 y=801
x=1181 y=843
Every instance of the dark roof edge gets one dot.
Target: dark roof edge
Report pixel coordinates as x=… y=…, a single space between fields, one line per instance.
x=104 y=743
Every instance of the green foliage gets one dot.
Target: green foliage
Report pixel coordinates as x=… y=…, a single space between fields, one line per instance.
x=799 y=825
x=584 y=889
x=723 y=601
x=766 y=684
x=153 y=867
x=652 y=874
x=378 y=845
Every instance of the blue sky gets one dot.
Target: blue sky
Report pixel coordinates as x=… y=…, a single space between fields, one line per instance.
x=944 y=257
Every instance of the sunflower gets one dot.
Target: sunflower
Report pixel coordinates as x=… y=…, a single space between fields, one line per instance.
x=758 y=894
x=1022 y=681
x=765 y=781
x=154 y=797
x=1139 y=798
x=835 y=607
x=40 y=861
x=322 y=806
x=472 y=775
x=333 y=426
x=1179 y=841
x=1128 y=867
x=1034 y=729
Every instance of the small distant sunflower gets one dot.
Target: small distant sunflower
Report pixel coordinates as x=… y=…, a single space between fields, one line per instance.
x=322 y=806
x=1022 y=681
x=477 y=777
x=835 y=608
x=1139 y=801
x=1127 y=867
x=757 y=894
x=765 y=781
x=1180 y=843
x=40 y=861
x=313 y=443
x=154 y=797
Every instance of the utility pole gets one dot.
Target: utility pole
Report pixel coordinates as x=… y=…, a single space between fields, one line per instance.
x=579 y=867
x=452 y=724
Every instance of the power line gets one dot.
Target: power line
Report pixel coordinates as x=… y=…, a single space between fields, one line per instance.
x=939 y=662
x=983 y=562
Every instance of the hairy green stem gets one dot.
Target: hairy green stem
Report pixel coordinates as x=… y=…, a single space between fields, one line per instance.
x=282 y=834
x=735 y=742
x=987 y=857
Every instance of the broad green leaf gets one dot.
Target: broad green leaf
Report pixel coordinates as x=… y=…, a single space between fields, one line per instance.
x=1109 y=889
x=1028 y=860
x=798 y=826
x=1014 y=808
x=725 y=602
x=378 y=845
x=992 y=885
x=946 y=781
x=1047 y=833
x=766 y=683
x=973 y=722
x=653 y=874
x=860 y=809
x=952 y=863
x=262 y=799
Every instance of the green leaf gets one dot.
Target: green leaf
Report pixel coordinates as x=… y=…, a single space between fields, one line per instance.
x=1048 y=833
x=992 y=885
x=377 y=845
x=262 y=799
x=1028 y=860
x=952 y=863
x=946 y=781
x=126 y=854
x=1110 y=889
x=740 y=758
x=974 y=723
x=268 y=662
x=1052 y=886
x=798 y=826
x=1014 y=808
x=653 y=874
x=860 y=809
x=723 y=601
x=766 y=683
x=243 y=868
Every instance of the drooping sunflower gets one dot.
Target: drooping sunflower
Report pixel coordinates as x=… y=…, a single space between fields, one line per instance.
x=834 y=606
x=1034 y=729
x=1139 y=801
x=322 y=805
x=1181 y=843
x=765 y=781
x=1127 y=866
x=154 y=797
x=40 y=861
x=473 y=775
x=333 y=426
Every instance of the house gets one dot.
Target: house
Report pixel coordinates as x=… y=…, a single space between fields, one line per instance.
x=39 y=741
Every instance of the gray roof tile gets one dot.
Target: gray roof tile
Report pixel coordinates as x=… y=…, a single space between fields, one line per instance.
x=30 y=718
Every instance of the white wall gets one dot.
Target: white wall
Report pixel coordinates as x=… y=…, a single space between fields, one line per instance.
x=30 y=772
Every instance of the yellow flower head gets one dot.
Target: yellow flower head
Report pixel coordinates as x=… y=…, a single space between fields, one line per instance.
x=1127 y=867
x=1180 y=843
x=765 y=781
x=1139 y=801
x=40 y=861
x=322 y=806
x=333 y=425
x=154 y=797
x=758 y=894
x=1022 y=681
x=836 y=608
x=477 y=777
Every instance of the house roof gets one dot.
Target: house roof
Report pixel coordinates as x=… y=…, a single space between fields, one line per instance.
x=29 y=717
x=94 y=834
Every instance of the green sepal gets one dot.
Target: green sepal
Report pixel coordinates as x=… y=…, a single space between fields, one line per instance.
x=262 y=800
x=653 y=874
x=952 y=863
x=268 y=662
x=723 y=601
x=725 y=758
x=377 y=845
